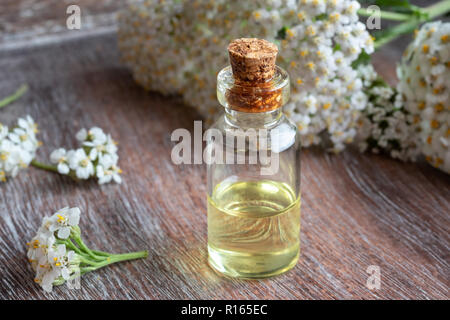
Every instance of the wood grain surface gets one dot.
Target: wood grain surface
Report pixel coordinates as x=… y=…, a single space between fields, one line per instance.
x=358 y=210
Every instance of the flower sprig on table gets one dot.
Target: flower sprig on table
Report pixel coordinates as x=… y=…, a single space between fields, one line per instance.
x=96 y=158
x=57 y=252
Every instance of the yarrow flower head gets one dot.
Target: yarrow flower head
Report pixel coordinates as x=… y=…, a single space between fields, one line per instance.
x=47 y=255
x=424 y=85
x=97 y=157
x=385 y=126
x=18 y=147
x=319 y=41
x=58 y=254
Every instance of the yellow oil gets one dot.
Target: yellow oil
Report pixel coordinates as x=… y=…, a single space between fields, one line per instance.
x=253 y=228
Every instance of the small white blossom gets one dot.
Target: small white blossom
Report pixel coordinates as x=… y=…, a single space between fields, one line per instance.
x=38 y=247
x=107 y=170
x=110 y=146
x=81 y=164
x=59 y=157
x=81 y=135
x=60 y=260
x=92 y=137
x=107 y=174
x=62 y=222
x=17 y=147
x=97 y=157
x=28 y=124
x=22 y=138
x=57 y=263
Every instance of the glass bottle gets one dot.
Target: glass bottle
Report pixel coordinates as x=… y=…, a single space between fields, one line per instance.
x=253 y=201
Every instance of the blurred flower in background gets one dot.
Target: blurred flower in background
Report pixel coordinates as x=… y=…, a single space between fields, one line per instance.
x=424 y=75
x=386 y=126
x=179 y=47
x=17 y=147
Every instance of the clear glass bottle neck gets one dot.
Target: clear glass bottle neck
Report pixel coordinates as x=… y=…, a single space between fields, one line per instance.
x=247 y=99
x=247 y=120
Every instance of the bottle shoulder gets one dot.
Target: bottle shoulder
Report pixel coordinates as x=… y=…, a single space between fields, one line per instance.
x=282 y=134
x=222 y=124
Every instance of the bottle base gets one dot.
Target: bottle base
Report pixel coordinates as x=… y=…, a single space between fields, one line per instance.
x=246 y=265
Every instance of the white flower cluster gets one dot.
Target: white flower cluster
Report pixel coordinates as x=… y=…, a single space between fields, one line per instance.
x=57 y=252
x=385 y=126
x=96 y=158
x=17 y=147
x=424 y=75
x=178 y=47
x=51 y=261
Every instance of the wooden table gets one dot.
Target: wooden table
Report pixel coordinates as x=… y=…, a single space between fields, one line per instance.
x=358 y=209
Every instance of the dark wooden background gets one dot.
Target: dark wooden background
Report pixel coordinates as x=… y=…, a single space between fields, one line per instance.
x=358 y=209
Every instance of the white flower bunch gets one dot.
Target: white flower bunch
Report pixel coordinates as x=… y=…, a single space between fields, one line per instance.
x=424 y=75
x=97 y=157
x=385 y=126
x=58 y=254
x=319 y=42
x=17 y=147
x=49 y=258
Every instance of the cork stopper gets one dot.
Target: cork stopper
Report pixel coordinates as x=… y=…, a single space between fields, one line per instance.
x=252 y=59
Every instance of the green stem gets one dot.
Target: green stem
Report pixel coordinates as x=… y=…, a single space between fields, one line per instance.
x=70 y=245
x=395 y=32
x=394 y=16
x=44 y=166
x=52 y=168
x=113 y=259
x=438 y=9
x=101 y=253
x=16 y=95
x=414 y=20
x=86 y=260
x=86 y=249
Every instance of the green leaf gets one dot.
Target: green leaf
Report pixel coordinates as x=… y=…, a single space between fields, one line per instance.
x=363 y=58
x=281 y=35
x=322 y=16
x=383 y=124
x=386 y=35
